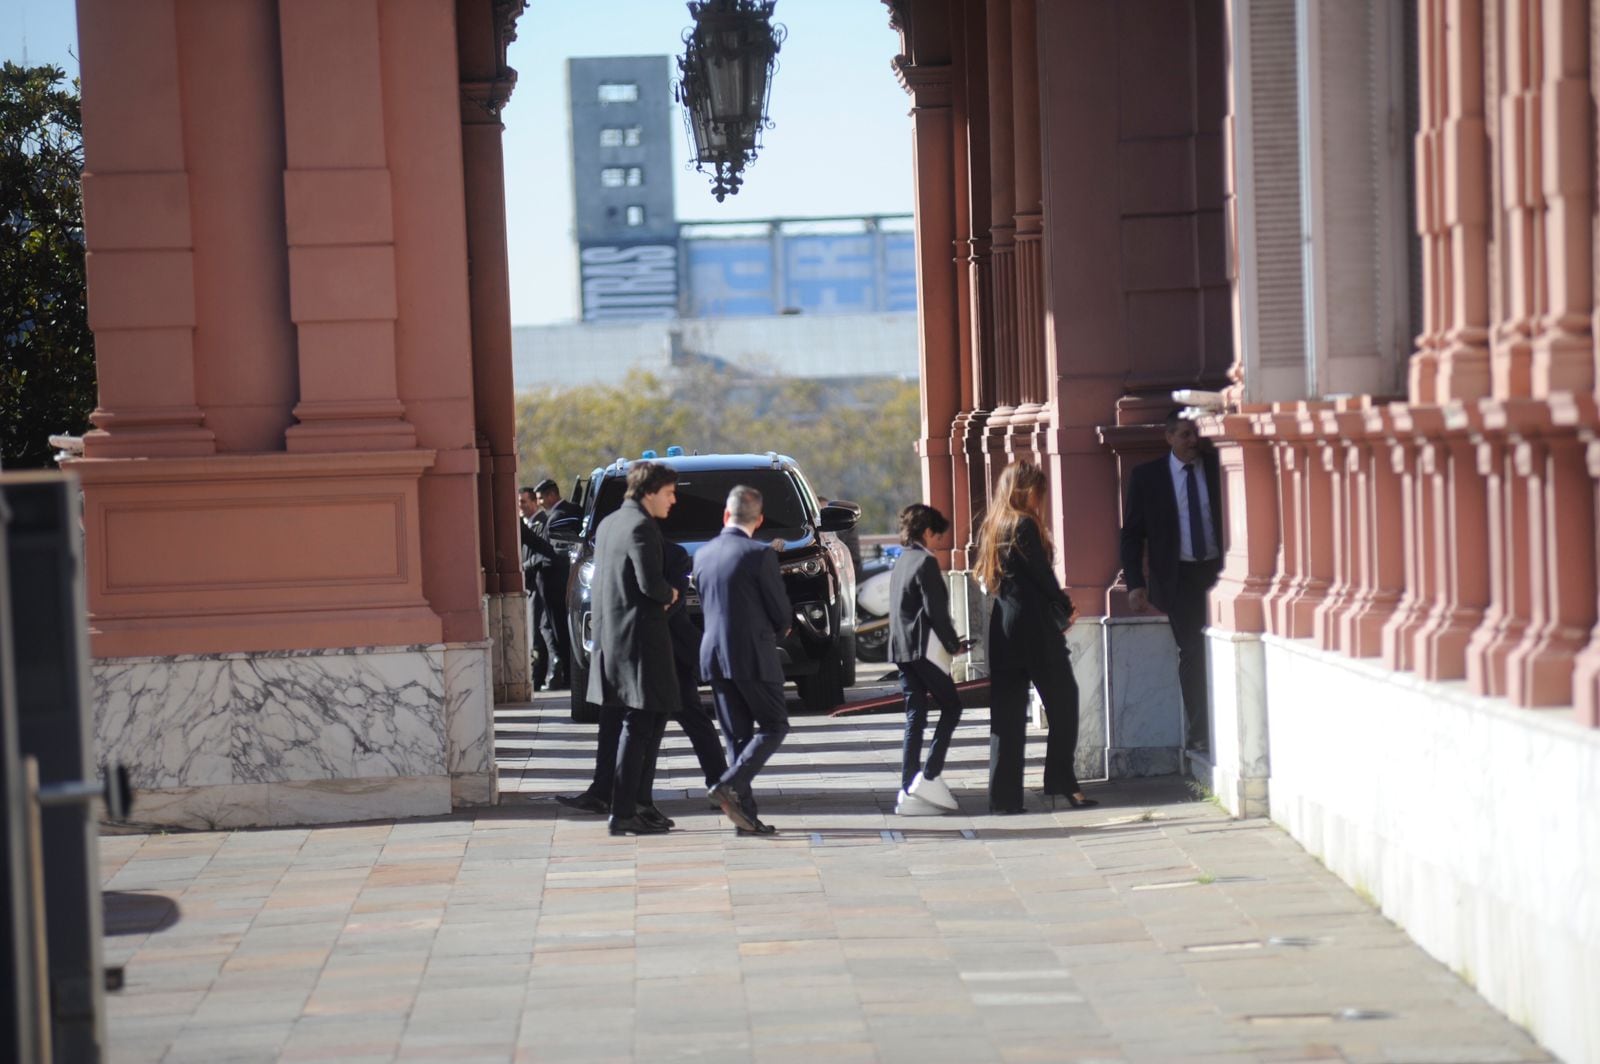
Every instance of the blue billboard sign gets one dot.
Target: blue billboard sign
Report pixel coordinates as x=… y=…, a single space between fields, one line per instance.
x=730 y=278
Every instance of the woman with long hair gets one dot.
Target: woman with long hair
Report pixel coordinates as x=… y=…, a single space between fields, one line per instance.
x=1026 y=642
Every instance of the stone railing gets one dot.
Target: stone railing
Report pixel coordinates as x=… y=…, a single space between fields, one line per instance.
x=1457 y=542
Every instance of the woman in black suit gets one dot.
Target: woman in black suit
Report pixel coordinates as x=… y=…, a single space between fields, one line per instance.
x=1026 y=644
x=919 y=617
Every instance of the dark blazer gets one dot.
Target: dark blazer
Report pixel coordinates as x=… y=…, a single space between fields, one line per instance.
x=746 y=608
x=537 y=550
x=919 y=604
x=678 y=567
x=1022 y=634
x=632 y=662
x=1150 y=526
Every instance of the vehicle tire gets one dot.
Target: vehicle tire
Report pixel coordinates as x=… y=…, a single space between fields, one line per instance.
x=847 y=661
x=822 y=690
x=583 y=710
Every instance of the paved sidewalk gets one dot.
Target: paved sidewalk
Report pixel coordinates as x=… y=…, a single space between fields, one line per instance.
x=1150 y=929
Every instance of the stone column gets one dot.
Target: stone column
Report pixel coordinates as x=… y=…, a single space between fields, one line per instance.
x=140 y=261
x=974 y=267
x=1376 y=512
x=1457 y=169
x=924 y=71
x=1586 y=670
x=1461 y=546
x=1278 y=427
x=1024 y=438
x=1563 y=350
x=1313 y=493
x=484 y=33
x=1519 y=166
x=1417 y=524
x=1561 y=567
x=1333 y=447
x=340 y=229
x=1506 y=619
x=1002 y=234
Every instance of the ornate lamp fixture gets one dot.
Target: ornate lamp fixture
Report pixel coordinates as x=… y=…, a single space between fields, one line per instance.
x=725 y=80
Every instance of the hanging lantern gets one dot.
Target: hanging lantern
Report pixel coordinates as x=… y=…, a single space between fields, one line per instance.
x=724 y=83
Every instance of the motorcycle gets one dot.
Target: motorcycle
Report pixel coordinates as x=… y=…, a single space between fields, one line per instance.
x=872 y=606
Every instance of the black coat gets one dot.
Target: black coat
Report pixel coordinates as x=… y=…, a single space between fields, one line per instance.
x=632 y=661
x=1022 y=632
x=747 y=610
x=1150 y=530
x=919 y=605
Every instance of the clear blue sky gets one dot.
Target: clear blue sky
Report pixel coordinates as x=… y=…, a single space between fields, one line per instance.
x=841 y=145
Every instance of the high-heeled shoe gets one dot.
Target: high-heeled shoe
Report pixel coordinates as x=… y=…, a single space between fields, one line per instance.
x=1073 y=801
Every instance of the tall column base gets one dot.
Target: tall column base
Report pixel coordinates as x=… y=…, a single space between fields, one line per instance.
x=506 y=619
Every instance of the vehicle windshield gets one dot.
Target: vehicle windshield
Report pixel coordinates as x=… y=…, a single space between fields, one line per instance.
x=702 y=496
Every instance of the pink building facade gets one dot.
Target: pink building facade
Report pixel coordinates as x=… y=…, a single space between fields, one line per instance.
x=300 y=487
x=1362 y=233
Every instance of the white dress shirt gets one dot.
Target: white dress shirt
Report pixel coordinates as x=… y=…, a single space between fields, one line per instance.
x=1180 y=491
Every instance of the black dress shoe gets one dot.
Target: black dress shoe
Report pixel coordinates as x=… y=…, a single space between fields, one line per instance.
x=651 y=815
x=761 y=828
x=634 y=825
x=724 y=796
x=584 y=803
x=1007 y=810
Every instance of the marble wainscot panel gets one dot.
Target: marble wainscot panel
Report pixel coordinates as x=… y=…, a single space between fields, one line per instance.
x=469 y=723
x=1144 y=702
x=1086 y=643
x=969 y=610
x=1237 y=769
x=286 y=737
x=507 y=619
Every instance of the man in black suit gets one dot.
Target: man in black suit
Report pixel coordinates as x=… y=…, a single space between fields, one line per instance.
x=1173 y=520
x=555 y=521
x=631 y=672
x=747 y=614
x=530 y=527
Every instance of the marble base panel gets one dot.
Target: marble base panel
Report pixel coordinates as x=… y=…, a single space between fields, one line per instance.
x=1473 y=824
x=340 y=725
x=227 y=806
x=507 y=619
x=1144 y=703
x=1086 y=644
x=1238 y=763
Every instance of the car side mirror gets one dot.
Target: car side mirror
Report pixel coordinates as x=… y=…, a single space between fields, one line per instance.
x=839 y=517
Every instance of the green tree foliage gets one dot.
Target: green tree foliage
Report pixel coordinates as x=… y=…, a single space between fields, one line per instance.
x=853 y=439
x=47 y=381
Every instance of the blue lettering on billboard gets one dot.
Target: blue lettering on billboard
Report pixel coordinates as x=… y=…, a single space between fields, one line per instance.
x=900 y=271
x=830 y=274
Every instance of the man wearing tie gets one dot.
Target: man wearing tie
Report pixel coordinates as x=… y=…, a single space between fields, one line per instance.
x=1172 y=521
x=747 y=614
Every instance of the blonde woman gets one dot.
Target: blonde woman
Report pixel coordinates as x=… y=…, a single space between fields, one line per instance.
x=1026 y=644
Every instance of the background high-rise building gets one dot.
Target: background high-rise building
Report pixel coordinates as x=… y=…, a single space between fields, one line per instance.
x=627 y=230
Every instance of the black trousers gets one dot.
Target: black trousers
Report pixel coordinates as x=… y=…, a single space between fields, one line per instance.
x=920 y=681
x=755 y=721
x=1186 y=614
x=1008 y=728
x=538 y=663
x=637 y=749
x=551 y=620
x=697 y=724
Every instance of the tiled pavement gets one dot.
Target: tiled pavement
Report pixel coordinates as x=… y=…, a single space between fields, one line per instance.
x=1150 y=929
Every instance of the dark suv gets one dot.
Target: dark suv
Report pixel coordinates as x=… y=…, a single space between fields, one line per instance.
x=820 y=653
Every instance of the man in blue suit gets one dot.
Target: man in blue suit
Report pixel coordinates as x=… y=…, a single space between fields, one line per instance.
x=747 y=613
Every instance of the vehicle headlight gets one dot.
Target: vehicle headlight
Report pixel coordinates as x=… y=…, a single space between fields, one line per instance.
x=586 y=574
x=805 y=567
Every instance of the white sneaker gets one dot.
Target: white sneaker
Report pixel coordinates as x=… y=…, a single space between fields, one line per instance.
x=911 y=805
x=933 y=791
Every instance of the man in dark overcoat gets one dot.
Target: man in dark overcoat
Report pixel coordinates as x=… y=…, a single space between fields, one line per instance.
x=631 y=671
x=1173 y=520
x=747 y=614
